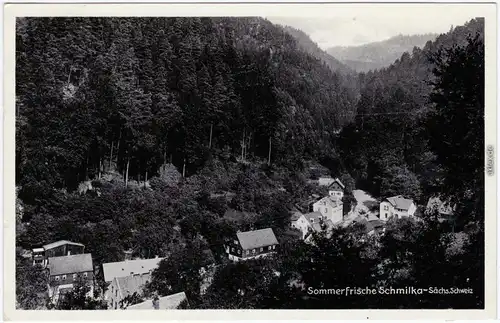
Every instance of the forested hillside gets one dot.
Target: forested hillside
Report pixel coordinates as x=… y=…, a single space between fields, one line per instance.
x=393 y=145
x=133 y=94
x=372 y=56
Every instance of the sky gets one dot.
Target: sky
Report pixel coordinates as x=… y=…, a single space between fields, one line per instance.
x=357 y=30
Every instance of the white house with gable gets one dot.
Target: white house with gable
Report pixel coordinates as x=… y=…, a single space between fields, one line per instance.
x=331 y=208
x=397 y=206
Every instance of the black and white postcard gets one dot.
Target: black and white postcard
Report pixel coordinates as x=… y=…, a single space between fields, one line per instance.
x=320 y=158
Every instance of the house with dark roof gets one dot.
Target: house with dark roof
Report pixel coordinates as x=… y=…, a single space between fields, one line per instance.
x=121 y=287
x=252 y=244
x=64 y=271
x=170 y=302
x=56 y=249
x=336 y=189
x=398 y=207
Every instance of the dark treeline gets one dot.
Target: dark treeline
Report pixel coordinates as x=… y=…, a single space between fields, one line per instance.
x=133 y=94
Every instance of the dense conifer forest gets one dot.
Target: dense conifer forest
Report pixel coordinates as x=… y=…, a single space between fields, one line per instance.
x=163 y=115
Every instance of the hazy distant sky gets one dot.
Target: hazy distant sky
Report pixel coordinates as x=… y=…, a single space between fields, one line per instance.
x=349 y=31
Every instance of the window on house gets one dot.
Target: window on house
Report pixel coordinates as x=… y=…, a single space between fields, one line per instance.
x=56 y=278
x=232 y=249
x=74 y=276
x=261 y=249
x=239 y=252
x=274 y=247
x=64 y=277
x=235 y=241
x=253 y=250
x=85 y=275
x=386 y=215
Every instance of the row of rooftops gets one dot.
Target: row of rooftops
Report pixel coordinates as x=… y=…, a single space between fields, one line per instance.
x=83 y=262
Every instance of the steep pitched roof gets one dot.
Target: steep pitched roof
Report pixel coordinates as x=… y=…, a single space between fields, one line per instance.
x=129 y=285
x=128 y=267
x=338 y=182
x=257 y=238
x=70 y=264
x=400 y=202
x=60 y=243
x=165 y=303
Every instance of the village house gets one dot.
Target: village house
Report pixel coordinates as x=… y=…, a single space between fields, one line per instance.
x=123 y=269
x=310 y=222
x=170 y=302
x=336 y=189
x=121 y=287
x=443 y=209
x=111 y=270
x=398 y=207
x=56 y=249
x=331 y=208
x=65 y=270
x=252 y=244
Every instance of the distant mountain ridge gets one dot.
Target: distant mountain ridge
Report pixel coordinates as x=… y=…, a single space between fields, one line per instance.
x=309 y=46
x=378 y=54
